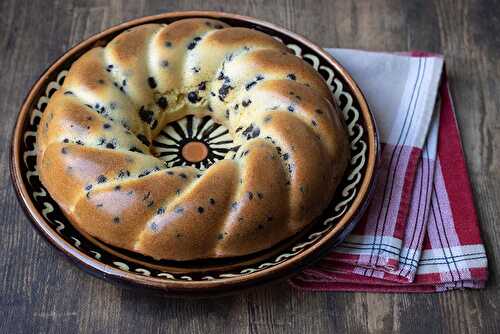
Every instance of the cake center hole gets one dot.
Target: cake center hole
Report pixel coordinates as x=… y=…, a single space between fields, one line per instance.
x=195 y=151
x=193 y=141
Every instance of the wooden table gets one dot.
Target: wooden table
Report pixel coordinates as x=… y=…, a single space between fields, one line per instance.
x=42 y=292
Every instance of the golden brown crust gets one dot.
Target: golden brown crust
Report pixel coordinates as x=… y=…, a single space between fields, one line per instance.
x=94 y=137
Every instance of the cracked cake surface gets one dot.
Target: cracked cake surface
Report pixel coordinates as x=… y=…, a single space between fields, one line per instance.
x=95 y=141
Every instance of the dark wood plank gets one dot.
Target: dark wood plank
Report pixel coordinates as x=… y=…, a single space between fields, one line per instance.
x=41 y=292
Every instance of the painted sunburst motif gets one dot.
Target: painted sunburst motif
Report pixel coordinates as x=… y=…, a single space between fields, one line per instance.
x=193 y=141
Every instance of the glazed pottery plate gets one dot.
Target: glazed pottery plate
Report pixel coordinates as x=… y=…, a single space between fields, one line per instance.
x=183 y=143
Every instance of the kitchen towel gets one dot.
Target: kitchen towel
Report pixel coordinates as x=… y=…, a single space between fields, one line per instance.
x=420 y=233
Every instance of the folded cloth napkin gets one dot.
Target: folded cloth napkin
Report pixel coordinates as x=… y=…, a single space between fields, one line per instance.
x=420 y=233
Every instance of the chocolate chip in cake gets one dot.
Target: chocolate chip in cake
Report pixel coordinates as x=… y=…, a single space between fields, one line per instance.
x=220 y=236
x=251 y=131
x=202 y=85
x=193 y=43
x=211 y=201
x=123 y=173
x=168 y=44
x=195 y=69
x=117 y=188
x=162 y=102
x=145 y=115
x=291 y=108
x=66 y=140
x=224 y=90
x=160 y=211
x=250 y=195
x=152 y=82
x=106 y=125
x=183 y=175
x=164 y=63
x=101 y=179
x=200 y=210
x=246 y=103
x=88 y=187
x=260 y=195
x=313 y=122
x=291 y=76
x=193 y=97
x=116 y=220
x=111 y=146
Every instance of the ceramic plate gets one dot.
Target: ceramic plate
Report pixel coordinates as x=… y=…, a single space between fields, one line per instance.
x=210 y=276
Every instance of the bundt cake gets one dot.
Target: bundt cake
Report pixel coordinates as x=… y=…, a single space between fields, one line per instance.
x=288 y=153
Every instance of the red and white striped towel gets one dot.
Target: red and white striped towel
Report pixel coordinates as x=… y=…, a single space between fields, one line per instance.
x=420 y=233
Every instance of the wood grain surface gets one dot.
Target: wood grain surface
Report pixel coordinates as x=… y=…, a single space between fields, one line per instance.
x=40 y=292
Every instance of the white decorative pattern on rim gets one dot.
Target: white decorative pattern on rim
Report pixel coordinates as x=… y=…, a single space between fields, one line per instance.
x=358 y=147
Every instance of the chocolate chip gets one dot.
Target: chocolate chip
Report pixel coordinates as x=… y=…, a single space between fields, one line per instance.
x=145 y=115
x=168 y=44
x=152 y=82
x=251 y=131
x=211 y=201
x=111 y=146
x=106 y=125
x=193 y=97
x=116 y=220
x=291 y=76
x=202 y=85
x=162 y=102
x=101 y=179
x=200 y=209
x=123 y=173
x=193 y=43
x=246 y=103
x=160 y=211
x=88 y=187
x=154 y=125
